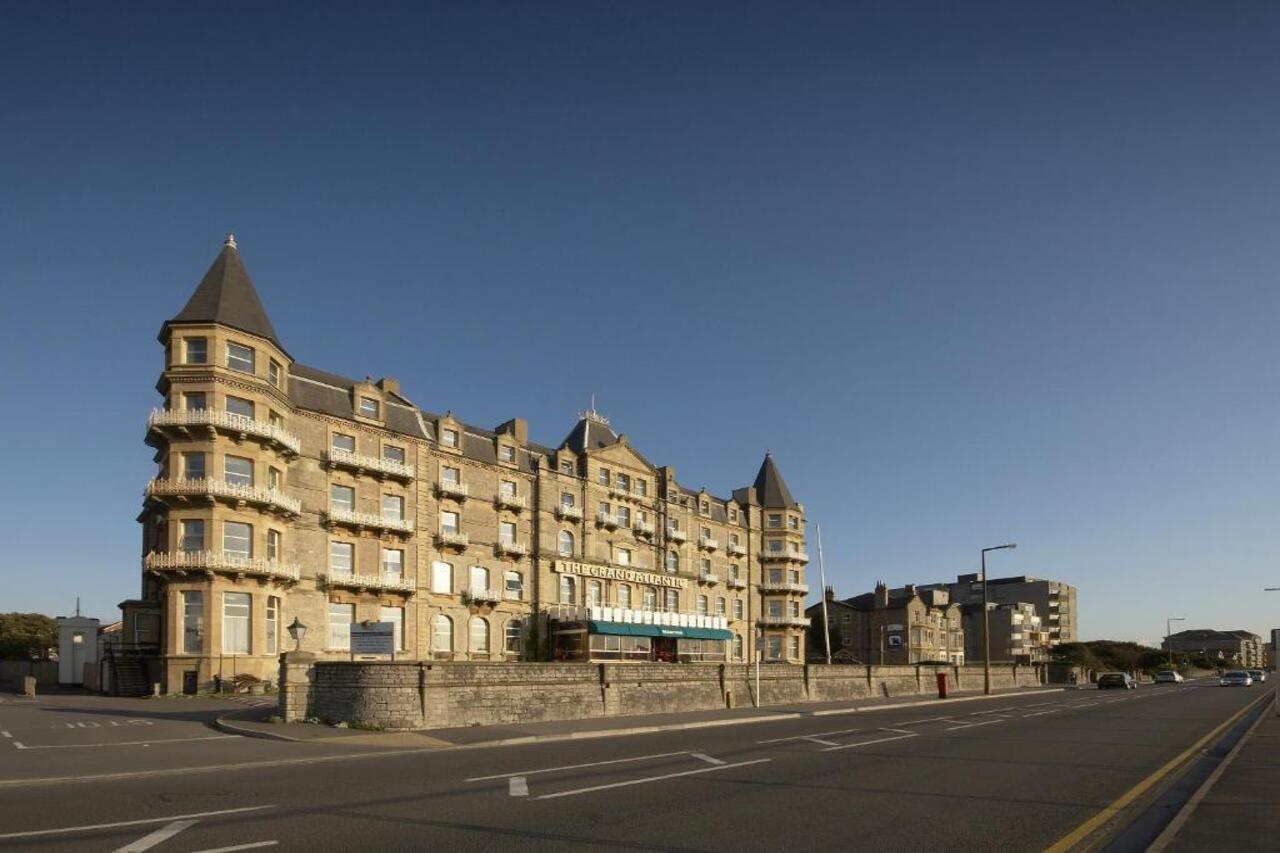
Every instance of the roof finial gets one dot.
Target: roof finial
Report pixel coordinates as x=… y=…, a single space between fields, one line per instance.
x=592 y=415
x=231 y=241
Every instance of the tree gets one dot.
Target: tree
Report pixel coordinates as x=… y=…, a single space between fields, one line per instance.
x=27 y=636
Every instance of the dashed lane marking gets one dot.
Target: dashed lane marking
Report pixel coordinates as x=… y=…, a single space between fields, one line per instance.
x=702 y=756
x=576 y=766
x=647 y=779
x=1040 y=713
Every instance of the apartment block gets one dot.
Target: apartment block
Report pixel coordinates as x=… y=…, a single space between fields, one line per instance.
x=1054 y=601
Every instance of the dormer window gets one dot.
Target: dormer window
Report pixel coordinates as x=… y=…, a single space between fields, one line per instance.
x=240 y=357
x=507 y=453
x=704 y=508
x=449 y=437
x=369 y=407
x=566 y=467
x=196 y=351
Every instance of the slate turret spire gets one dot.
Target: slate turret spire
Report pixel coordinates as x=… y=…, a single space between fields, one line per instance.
x=771 y=490
x=226 y=296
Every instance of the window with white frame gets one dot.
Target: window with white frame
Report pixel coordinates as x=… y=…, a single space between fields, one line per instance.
x=442 y=578
x=479 y=633
x=193 y=466
x=449 y=437
x=391 y=453
x=506 y=453
x=624 y=595
x=236 y=617
x=450 y=475
x=370 y=408
x=240 y=357
x=737 y=646
x=793 y=522
x=566 y=467
x=566 y=499
x=273 y=625
x=701 y=604
x=642 y=487
x=392 y=564
x=794 y=607
x=275 y=478
x=344 y=442
x=737 y=608
x=775 y=607
x=513 y=638
x=273 y=544
x=734 y=571
x=196 y=351
x=239 y=406
x=507 y=488
x=603 y=476
x=720 y=607
x=192 y=622
x=649 y=598
x=340 y=618
x=342 y=498
x=507 y=532
x=192 y=535
x=673 y=562
x=342 y=557
x=394 y=615
x=671 y=600
x=793 y=576
x=514 y=585
x=624 y=482
x=568 y=589
x=238 y=471
x=595 y=593
x=566 y=543
x=273 y=372
x=448 y=522
x=441 y=633
x=775 y=546
x=623 y=556
x=479 y=580
x=237 y=539
x=392 y=508
x=773 y=644
x=704 y=565
x=794 y=643
x=624 y=516
x=775 y=520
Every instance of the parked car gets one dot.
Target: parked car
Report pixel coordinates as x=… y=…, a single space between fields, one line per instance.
x=1168 y=676
x=1117 y=680
x=1258 y=675
x=1236 y=678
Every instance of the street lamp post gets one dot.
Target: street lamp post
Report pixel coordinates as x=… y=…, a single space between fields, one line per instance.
x=986 y=620
x=1168 y=634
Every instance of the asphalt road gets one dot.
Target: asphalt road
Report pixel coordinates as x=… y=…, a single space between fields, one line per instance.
x=1012 y=773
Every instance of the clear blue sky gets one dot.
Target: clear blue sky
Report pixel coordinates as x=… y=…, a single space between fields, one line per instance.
x=974 y=273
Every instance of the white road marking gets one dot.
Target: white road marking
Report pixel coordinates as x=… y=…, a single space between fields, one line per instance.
x=899 y=731
x=807 y=737
x=869 y=742
x=6 y=734
x=821 y=741
x=702 y=756
x=974 y=725
x=925 y=720
x=650 y=779
x=575 y=766
x=89 y=828
x=518 y=786
x=251 y=846
x=1040 y=713
x=123 y=743
x=161 y=835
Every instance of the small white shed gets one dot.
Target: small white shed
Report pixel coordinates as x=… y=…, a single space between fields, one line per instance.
x=77 y=646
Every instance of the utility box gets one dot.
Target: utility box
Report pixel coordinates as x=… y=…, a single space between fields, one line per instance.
x=77 y=646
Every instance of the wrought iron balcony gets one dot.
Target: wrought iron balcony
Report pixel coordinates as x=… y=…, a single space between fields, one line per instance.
x=380 y=583
x=369 y=521
x=184 y=490
x=784 y=586
x=452 y=540
x=446 y=489
x=784 y=621
x=202 y=562
x=516 y=503
x=378 y=466
x=565 y=512
x=185 y=420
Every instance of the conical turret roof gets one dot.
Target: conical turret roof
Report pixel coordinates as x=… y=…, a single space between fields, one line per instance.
x=226 y=296
x=771 y=490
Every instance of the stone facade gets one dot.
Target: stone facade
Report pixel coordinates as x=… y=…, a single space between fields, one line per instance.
x=283 y=493
x=900 y=626
x=421 y=694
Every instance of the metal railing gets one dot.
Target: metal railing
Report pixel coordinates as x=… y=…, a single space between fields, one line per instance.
x=452 y=540
x=222 y=489
x=219 y=561
x=709 y=543
x=784 y=586
x=360 y=462
x=784 y=556
x=224 y=420
x=516 y=502
x=370 y=520
x=350 y=580
x=516 y=549
x=784 y=621
x=444 y=488
x=564 y=511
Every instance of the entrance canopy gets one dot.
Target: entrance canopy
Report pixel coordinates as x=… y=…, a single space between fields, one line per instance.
x=629 y=629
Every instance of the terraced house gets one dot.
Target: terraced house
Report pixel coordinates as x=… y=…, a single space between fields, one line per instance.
x=286 y=493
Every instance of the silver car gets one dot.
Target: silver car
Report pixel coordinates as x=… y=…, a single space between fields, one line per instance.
x=1236 y=678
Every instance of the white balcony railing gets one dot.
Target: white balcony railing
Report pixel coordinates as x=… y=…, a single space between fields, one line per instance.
x=676 y=619
x=644 y=528
x=784 y=621
x=676 y=535
x=607 y=519
x=512 y=549
x=212 y=418
x=512 y=502
x=736 y=583
x=446 y=489
x=784 y=586
x=708 y=577
x=492 y=596
x=369 y=520
x=347 y=580
x=784 y=556
x=571 y=513
x=376 y=464
x=219 y=561
x=737 y=549
x=182 y=488
x=708 y=543
x=452 y=540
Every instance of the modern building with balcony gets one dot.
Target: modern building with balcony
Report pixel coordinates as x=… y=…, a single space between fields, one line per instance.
x=285 y=492
x=1054 y=601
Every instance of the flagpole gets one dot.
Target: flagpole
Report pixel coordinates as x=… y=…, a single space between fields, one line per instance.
x=822 y=573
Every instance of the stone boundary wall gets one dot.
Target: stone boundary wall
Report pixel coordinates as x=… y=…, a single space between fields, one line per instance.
x=419 y=694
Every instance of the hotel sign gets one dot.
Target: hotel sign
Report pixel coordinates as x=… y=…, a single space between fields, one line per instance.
x=617 y=573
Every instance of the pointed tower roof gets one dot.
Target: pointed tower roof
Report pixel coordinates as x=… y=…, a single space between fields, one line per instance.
x=591 y=432
x=771 y=489
x=226 y=295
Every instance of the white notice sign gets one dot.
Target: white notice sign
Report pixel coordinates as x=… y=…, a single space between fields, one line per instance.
x=373 y=638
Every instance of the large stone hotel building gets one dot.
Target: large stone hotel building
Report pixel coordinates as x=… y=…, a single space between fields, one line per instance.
x=283 y=492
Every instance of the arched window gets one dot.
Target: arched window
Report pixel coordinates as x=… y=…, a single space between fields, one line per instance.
x=442 y=633
x=673 y=562
x=566 y=543
x=479 y=580
x=737 y=646
x=513 y=640
x=479 y=630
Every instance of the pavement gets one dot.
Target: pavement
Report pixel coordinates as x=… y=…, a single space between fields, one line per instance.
x=1017 y=772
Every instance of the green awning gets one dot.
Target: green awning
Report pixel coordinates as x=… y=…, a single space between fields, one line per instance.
x=634 y=630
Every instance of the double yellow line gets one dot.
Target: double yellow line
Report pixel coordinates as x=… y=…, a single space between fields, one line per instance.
x=1084 y=830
